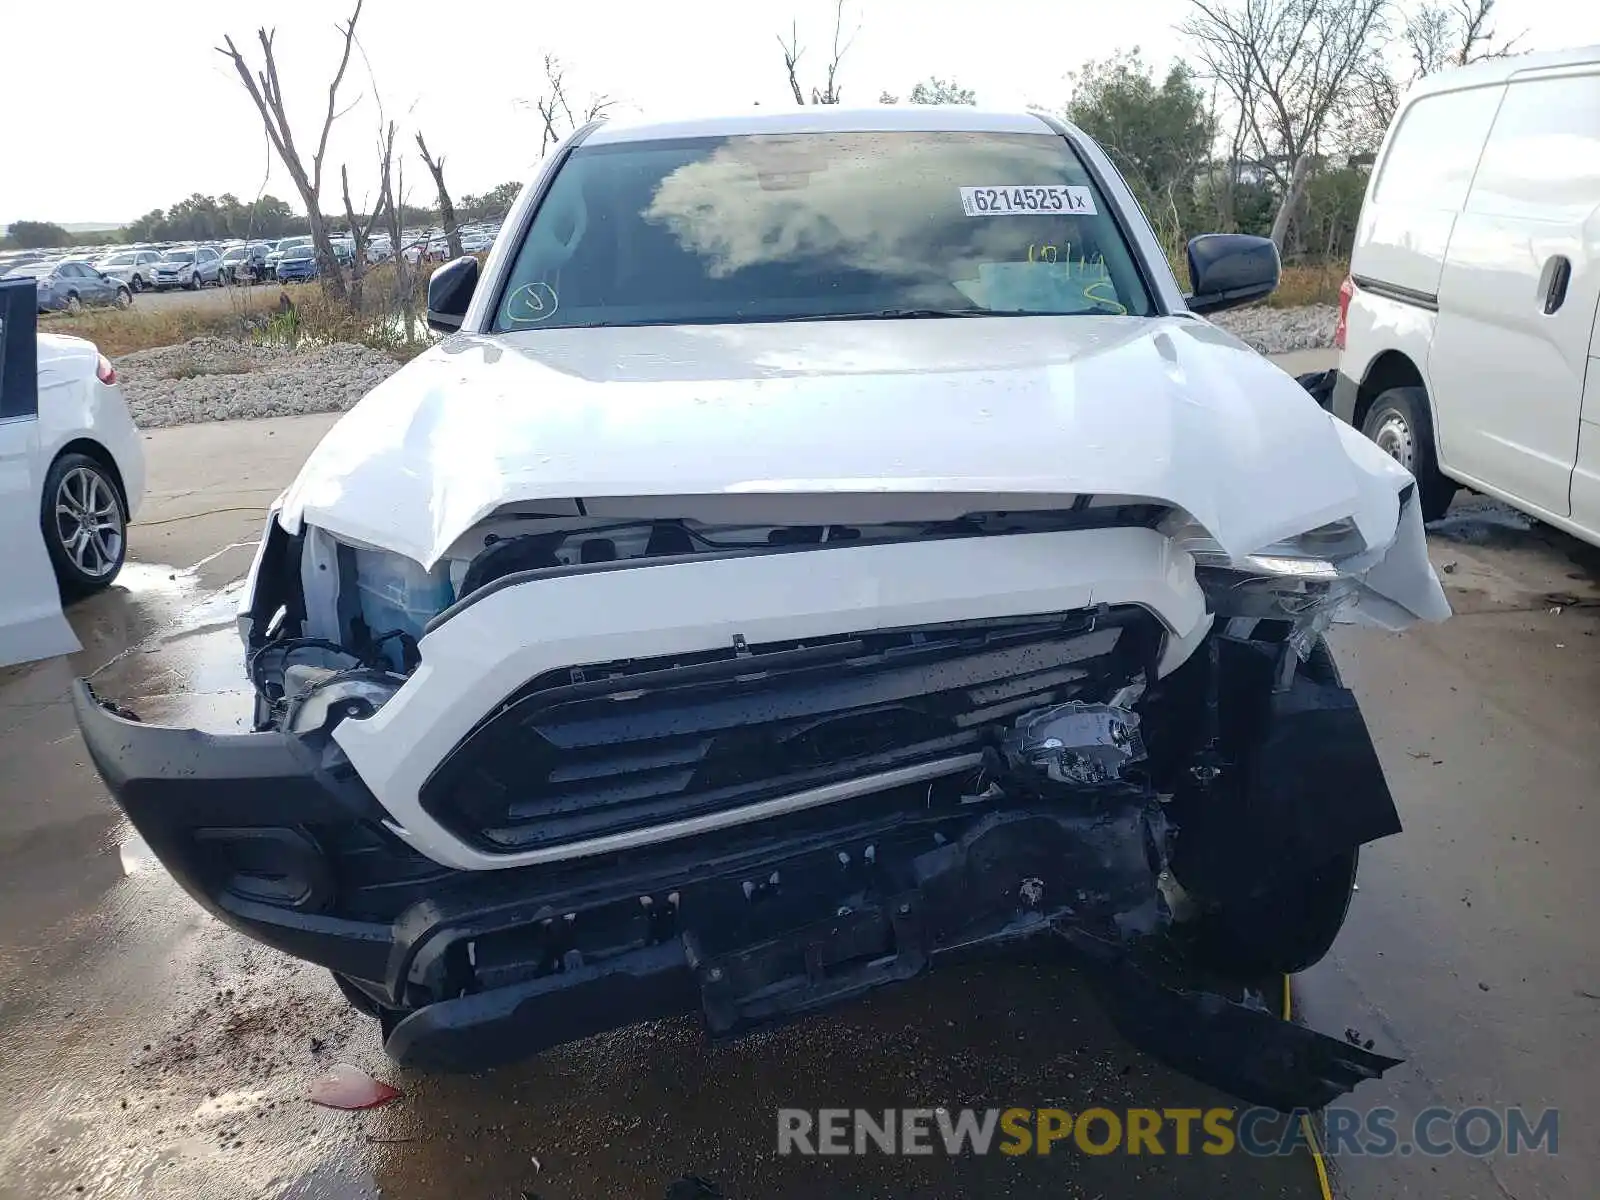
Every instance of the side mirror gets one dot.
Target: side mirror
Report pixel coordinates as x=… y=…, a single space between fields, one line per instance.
x=450 y=290
x=1230 y=269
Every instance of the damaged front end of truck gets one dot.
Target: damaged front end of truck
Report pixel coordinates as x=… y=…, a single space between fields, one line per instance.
x=602 y=765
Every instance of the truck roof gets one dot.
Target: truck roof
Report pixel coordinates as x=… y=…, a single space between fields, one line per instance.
x=824 y=118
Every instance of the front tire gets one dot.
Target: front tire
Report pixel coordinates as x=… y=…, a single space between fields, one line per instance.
x=74 y=305
x=194 y=282
x=85 y=523
x=1401 y=425
x=1284 y=927
x=124 y=298
x=137 y=283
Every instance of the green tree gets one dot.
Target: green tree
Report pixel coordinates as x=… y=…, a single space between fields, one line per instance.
x=37 y=235
x=1159 y=134
x=496 y=202
x=934 y=90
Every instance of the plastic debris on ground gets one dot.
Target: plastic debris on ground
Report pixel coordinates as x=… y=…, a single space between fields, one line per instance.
x=348 y=1087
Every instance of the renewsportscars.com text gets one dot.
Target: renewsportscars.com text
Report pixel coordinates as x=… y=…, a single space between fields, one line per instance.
x=1259 y=1132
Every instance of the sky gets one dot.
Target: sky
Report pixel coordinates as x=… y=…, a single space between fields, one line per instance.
x=159 y=114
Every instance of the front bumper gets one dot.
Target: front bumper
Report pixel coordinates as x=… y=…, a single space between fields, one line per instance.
x=750 y=925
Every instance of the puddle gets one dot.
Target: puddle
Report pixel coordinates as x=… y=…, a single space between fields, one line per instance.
x=1484 y=523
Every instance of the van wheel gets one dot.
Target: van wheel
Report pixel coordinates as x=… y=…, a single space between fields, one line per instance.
x=1399 y=423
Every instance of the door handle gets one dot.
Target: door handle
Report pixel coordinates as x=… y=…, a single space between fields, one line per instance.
x=1557 y=274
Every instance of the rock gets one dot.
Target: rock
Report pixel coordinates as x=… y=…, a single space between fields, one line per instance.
x=215 y=379
x=1280 y=330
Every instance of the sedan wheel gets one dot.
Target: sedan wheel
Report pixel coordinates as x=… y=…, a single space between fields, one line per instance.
x=124 y=298
x=74 y=305
x=84 y=524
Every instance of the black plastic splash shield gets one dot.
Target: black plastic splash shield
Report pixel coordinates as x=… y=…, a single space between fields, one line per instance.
x=1243 y=1049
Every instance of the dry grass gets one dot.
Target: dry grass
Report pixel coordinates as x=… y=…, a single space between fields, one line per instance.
x=121 y=331
x=255 y=315
x=1309 y=283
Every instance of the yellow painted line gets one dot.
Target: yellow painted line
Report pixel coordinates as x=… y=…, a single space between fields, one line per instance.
x=1305 y=1120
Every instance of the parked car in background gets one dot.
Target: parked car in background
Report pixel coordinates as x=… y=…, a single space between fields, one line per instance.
x=68 y=285
x=379 y=249
x=476 y=242
x=275 y=255
x=189 y=267
x=298 y=262
x=136 y=268
x=737 y=625
x=71 y=477
x=245 y=264
x=1470 y=348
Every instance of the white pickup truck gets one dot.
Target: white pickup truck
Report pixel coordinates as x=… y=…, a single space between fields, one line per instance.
x=828 y=541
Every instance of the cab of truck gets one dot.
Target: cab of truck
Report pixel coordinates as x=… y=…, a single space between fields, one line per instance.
x=1467 y=325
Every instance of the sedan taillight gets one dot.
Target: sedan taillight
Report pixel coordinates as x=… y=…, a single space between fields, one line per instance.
x=104 y=371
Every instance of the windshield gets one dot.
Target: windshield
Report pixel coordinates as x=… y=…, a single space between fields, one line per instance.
x=178 y=256
x=236 y=252
x=818 y=226
x=119 y=260
x=293 y=243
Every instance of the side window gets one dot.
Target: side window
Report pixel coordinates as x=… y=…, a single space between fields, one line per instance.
x=74 y=270
x=1431 y=157
x=1543 y=156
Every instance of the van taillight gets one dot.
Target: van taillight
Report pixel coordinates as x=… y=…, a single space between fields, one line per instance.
x=105 y=372
x=1345 y=290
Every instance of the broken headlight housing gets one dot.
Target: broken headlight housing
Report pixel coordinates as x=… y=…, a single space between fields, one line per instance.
x=1306 y=580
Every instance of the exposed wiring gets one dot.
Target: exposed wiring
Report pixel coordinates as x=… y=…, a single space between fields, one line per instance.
x=1306 y=1127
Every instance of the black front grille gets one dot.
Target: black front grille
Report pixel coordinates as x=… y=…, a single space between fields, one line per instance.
x=601 y=749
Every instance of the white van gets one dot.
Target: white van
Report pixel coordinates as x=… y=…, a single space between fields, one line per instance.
x=1470 y=350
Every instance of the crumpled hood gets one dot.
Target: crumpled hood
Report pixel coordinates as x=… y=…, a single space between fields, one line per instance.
x=1170 y=408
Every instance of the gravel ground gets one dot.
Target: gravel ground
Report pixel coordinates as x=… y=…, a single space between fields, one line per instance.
x=212 y=379
x=1281 y=330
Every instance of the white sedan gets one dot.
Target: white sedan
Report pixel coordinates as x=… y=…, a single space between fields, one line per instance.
x=71 y=478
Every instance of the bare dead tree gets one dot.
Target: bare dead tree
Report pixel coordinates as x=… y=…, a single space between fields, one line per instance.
x=831 y=91
x=265 y=89
x=1434 y=37
x=361 y=232
x=1289 y=63
x=447 y=212
x=555 y=107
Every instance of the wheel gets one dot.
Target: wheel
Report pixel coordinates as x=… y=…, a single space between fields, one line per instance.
x=1284 y=927
x=137 y=282
x=124 y=298
x=1400 y=424
x=194 y=282
x=84 y=522
x=74 y=305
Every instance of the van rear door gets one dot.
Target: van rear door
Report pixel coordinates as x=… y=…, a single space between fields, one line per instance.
x=1518 y=293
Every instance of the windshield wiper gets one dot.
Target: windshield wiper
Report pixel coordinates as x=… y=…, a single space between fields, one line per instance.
x=914 y=314
x=897 y=314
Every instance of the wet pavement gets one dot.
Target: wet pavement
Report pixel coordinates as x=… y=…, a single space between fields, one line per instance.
x=151 y=1052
